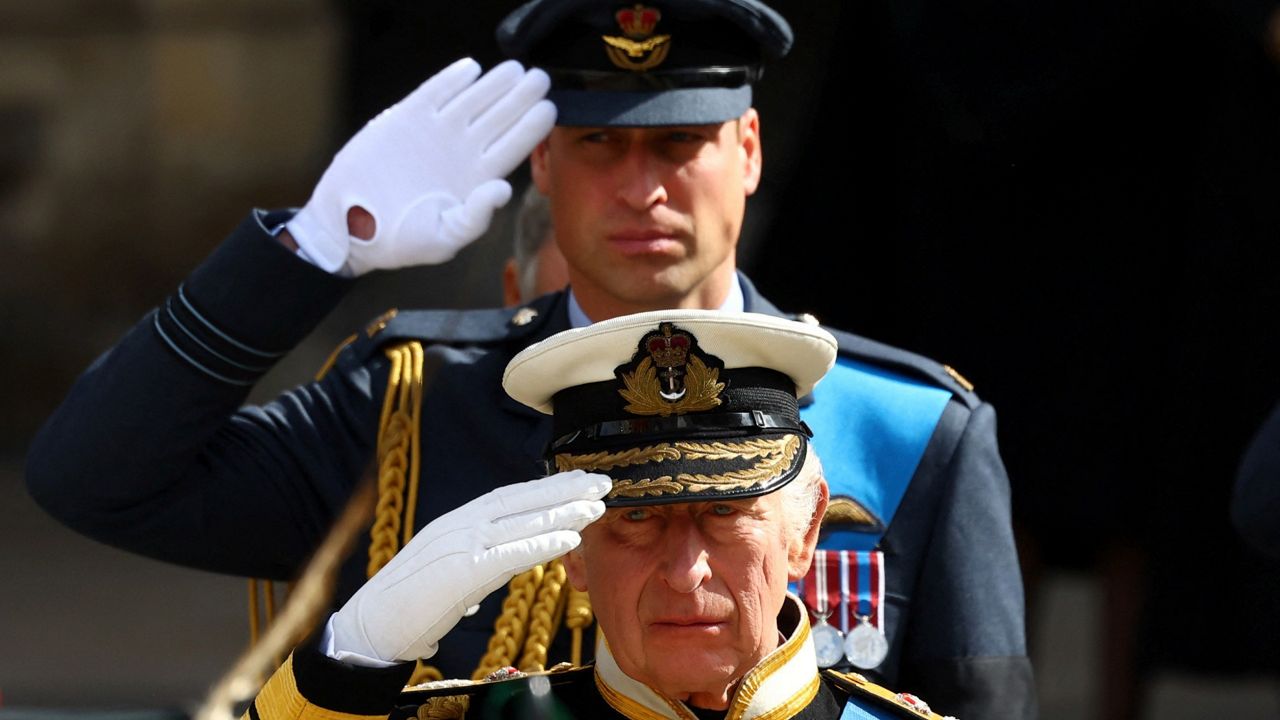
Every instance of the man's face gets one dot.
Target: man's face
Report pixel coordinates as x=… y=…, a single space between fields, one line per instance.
x=649 y=218
x=688 y=594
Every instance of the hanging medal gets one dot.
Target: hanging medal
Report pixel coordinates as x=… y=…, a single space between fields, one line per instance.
x=865 y=645
x=828 y=642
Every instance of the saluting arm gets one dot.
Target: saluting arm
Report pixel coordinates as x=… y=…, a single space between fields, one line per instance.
x=151 y=451
x=362 y=658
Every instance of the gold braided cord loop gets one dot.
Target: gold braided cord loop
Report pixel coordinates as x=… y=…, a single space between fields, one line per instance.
x=397 y=454
x=537 y=599
x=262 y=607
x=393 y=448
x=414 y=373
x=509 y=628
x=544 y=618
x=577 y=617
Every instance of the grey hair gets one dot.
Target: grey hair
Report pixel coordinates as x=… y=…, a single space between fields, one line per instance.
x=800 y=496
x=533 y=228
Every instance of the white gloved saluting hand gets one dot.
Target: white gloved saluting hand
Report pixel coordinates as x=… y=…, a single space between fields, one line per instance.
x=401 y=613
x=430 y=170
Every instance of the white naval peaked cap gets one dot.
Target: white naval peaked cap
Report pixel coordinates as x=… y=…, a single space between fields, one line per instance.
x=580 y=356
x=677 y=405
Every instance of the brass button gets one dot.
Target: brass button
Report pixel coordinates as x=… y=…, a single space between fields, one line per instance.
x=524 y=316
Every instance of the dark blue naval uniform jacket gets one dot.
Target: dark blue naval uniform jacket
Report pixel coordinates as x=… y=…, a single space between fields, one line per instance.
x=153 y=452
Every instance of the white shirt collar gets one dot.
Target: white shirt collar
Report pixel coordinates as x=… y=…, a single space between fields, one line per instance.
x=733 y=302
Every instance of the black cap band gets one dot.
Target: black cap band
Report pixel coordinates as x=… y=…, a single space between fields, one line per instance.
x=611 y=81
x=657 y=427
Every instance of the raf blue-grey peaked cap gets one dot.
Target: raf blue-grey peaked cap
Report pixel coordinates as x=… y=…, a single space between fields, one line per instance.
x=667 y=62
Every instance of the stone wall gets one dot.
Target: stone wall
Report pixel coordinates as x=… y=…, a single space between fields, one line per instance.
x=133 y=134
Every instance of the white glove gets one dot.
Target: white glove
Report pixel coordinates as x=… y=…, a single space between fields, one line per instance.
x=401 y=613
x=429 y=169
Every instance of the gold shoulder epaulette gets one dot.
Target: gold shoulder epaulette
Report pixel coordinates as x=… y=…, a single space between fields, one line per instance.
x=379 y=323
x=844 y=510
x=955 y=375
x=908 y=705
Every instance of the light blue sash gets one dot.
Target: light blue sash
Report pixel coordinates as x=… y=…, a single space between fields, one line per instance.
x=870 y=428
x=858 y=712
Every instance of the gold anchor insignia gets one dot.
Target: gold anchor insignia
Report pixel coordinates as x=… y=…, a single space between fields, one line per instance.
x=638 y=49
x=702 y=390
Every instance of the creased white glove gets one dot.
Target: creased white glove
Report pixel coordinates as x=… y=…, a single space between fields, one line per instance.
x=401 y=613
x=429 y=169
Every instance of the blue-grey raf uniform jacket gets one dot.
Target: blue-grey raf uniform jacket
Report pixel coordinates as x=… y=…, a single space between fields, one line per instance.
x=153 y=452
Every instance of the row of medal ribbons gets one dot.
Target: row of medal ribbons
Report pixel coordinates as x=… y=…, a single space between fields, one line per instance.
x=844 y=593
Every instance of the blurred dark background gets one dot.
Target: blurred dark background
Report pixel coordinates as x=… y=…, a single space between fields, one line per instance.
x=1076 y=204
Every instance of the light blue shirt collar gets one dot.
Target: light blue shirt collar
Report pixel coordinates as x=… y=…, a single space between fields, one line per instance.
x=733 y=302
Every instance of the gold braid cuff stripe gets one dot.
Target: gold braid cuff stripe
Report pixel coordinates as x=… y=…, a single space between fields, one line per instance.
x=774 y=455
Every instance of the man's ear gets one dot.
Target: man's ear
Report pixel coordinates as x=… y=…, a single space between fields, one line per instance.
x=800 y=552
x=538 y=170
x=576 y=569
x=752 y=152
x=510 y=283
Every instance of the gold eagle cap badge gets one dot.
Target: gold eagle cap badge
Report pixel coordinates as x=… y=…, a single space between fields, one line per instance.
x=670 y=375
x=637 y=49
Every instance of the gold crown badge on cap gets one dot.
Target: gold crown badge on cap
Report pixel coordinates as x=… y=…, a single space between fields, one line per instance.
x=638 y=49
x=670 y=376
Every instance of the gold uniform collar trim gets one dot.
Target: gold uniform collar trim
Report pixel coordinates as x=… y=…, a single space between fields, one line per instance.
x=784 y=682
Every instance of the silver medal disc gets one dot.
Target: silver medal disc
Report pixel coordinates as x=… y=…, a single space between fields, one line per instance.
x=828 y=644
x=865 y=646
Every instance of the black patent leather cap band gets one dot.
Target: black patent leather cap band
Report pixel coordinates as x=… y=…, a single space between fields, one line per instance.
x=606 y=81
x=681 y=423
